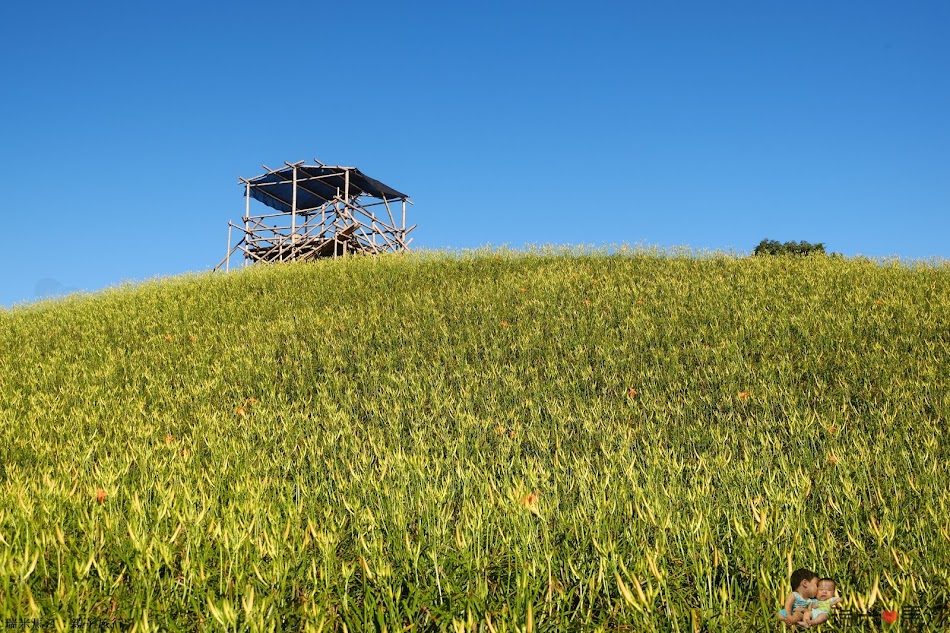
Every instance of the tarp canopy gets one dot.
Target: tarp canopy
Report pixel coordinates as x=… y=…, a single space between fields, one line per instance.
x=316 y=185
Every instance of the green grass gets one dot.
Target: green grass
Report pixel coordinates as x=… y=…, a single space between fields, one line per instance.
x=450 y=441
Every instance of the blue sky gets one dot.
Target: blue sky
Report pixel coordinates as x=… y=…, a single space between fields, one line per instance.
x=713 y=125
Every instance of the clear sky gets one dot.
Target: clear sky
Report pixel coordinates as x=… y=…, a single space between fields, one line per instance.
x=125 y=126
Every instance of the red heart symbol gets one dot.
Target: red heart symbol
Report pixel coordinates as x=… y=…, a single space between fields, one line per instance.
x=889 y=616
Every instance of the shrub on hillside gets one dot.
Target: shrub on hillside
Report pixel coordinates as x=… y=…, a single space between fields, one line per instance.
x=774 y=247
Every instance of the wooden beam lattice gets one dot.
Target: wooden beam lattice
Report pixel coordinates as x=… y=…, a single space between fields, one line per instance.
x=341 y=225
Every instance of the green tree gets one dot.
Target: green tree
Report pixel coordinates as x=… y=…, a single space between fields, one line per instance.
x=774 y=247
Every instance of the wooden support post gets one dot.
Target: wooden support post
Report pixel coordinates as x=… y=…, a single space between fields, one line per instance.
x=389 y=211
x=227 y=258
x=293 y=215
x=247 y=212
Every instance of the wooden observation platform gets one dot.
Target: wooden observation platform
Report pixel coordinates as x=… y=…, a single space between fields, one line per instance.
x=319 y=211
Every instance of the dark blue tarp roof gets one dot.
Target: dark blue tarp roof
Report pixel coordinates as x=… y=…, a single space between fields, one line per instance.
x=315 y=186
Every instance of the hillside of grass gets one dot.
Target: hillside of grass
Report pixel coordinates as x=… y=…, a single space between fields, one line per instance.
x=496 y=441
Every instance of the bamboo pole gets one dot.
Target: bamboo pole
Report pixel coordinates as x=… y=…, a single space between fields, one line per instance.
x=293 y=208
x=361 y=228
x=290 y=180
x=382 y=234
x=389 y=211
x=224 y=262
x=357 y=207
x=227 y=258
x=346 y=189
x=264 y=216
x=372 y=217
x=247 y=211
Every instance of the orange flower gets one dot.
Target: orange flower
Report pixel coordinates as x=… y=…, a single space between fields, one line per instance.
x=586 y=302
x=511 y=435
x=531 y=499
x=743 y=395
x=504 y=324
x=241 y=412
x=523 y=289
x=833 y=459
x=531 y=503
x=100 y=495
x=169 y=338
x=878 y=303
x=631 y=392
x=192 y=338
x=832 y=429
x=169 y=438
x=250 y=401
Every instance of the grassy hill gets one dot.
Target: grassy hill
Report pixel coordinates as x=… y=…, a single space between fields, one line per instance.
x=500 y=440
